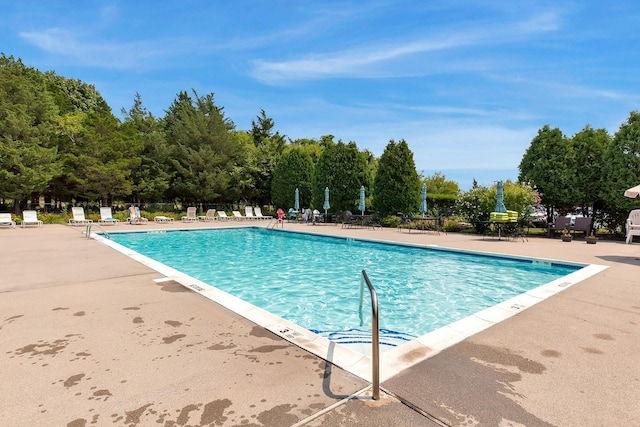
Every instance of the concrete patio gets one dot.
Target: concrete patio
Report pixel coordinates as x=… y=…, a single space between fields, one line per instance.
x=88 y=338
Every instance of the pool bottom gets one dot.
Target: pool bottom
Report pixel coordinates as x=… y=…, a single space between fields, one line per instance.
x=355 y=356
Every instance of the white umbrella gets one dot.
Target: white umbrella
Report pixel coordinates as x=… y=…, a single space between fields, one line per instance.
x=633 y=191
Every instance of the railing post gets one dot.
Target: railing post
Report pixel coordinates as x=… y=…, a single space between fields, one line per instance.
x=375 y=334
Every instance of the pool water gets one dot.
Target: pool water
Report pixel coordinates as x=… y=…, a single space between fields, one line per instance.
x=314 y=281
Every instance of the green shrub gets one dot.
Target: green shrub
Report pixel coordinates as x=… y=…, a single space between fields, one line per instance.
x=391 y=221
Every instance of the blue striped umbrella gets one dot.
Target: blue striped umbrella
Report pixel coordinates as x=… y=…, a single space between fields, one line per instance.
x=361 y=206
x=423 y=205
x=296 y=203
x=500 y=207
x=326 y=205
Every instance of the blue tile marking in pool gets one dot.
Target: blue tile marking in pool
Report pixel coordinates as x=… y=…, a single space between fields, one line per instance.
x=314 y=280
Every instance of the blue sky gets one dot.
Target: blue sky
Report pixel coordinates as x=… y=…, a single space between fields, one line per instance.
x=466 y=83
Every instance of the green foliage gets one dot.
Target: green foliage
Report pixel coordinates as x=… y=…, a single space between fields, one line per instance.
x=391 y=221
x=342 y=168
x=442 y=194
x=397 y=184
x=203 y=152
x=621 y=170
x=547 y=166
x=269 y=148
x=294 y=170
x=28 y=156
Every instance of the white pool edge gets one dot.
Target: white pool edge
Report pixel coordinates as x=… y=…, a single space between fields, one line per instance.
x=392 y=361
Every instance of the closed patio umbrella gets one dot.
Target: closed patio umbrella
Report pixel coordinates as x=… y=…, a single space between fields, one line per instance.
x=361 y=205
x=633 y=191
x=423 y=204
x=296 y=202
x=326 y=205
x=500 y=207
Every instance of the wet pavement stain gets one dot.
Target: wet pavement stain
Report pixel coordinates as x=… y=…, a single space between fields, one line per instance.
x=79 y=422
x=213 y=412
x=44 y=348
x=221 y=346
x=60 y=308
x=605 y=337
x=173 y=323
x=131 y=308
x=133 y=417
x=260 y=332
x=172 y=286
x=183 y=418
x=138 y=320
x=592 y=350
x=268 y=348
x=550 y=353
x=278 y=416
x=80 y=313
x=173 y=338
x=73 y=380
x=10 y=319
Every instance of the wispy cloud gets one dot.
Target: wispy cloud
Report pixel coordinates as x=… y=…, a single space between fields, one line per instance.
x=355 y=62
x=115 y=55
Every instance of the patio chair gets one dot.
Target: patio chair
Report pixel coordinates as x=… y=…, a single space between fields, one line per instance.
x=237 y=215
x=78 y=216
x=222 y=215
x=633 y=225
x=30 y=218
x=209 y=216
x=558 y=225
x=6 y=220
x=191 y=214
x=258 y=214
x=134 y=216
x=106 y=217
x=248 y=212
x=162 y=218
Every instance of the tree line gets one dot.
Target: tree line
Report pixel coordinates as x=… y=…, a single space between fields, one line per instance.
x=59 y=140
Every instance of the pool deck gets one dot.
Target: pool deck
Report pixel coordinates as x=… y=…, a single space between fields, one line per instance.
x=89 y=338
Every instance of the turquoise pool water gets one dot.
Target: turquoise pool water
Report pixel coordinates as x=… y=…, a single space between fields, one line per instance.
x=314 y=281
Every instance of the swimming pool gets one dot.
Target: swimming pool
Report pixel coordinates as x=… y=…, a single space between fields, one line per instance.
x=314 y=281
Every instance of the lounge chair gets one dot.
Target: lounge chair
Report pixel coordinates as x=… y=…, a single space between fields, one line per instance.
x=30 y=218
x=258 y=214
x=223 y=215
x=106 y=217
x=134 y=216
x=248 y=212
x=6 y=220
x=191 y=215
x=237 y=215
x=633 y=225
x=162 y=218
x=78 y=216
x=209 y=216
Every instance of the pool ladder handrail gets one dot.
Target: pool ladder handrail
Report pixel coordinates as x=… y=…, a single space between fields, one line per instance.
x=273 y=224
x=375 y=333
x=87 y=231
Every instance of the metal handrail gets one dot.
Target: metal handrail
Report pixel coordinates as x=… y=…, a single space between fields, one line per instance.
x=88 y=230
x=375 y=334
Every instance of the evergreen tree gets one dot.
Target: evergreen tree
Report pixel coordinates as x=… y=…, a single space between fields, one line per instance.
x=294 y=170
x=397 y=184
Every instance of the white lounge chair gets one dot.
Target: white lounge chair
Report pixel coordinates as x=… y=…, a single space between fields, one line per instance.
x=258 y=214
x=134 y=216
x=106 y=217
x=30 y=218
x=191 y=215
x=237 y=215
x=209 y=216
x=6 y=220
x=633 y=225
x=248 y=212
x=162 y=218
x=78 y=216
x=223 y=215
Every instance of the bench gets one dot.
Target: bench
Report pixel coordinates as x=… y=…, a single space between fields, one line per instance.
x=582 y=224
